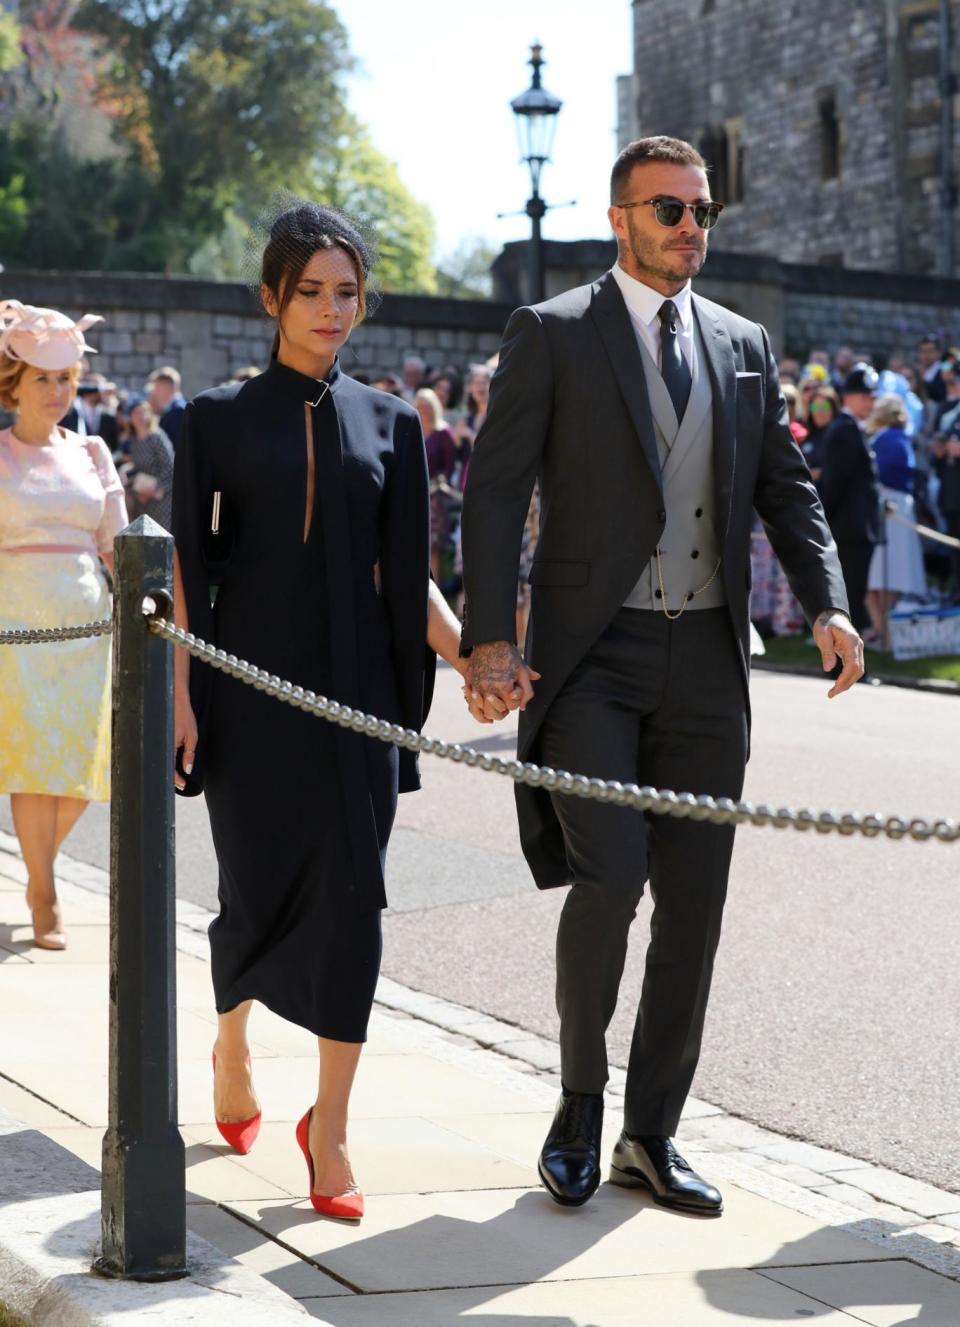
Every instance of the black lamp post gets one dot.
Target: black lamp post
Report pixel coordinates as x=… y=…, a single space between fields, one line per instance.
x=536 y=113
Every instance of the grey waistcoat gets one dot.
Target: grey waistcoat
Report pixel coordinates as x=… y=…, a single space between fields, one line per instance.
x=688 y=547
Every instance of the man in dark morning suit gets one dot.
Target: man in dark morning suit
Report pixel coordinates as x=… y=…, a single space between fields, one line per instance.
x=654 y=423
x=850 y=489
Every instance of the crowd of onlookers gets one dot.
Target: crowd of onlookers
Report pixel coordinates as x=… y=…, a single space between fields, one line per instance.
x=883 y=448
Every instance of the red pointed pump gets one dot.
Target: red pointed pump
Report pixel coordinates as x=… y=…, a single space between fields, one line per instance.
x=343 y=1206
x=241 y=1134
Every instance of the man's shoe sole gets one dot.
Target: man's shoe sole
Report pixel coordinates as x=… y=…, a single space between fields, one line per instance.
x=634 y=1179
x=559 y=1198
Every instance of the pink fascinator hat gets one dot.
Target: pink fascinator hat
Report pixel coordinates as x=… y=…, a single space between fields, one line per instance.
x=44 y=338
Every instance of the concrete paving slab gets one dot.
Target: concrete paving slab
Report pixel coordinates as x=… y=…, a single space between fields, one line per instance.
x=892 y=1294
x=509 y=1237
x=287 y=1271
x=50 y=1235
x=389 y=1157
x=213 y=1175
x=518 y=1137
x=846 y=1193
x=86 y=944
x=727 y=1299
x=902 y=1191
x=31 y=1110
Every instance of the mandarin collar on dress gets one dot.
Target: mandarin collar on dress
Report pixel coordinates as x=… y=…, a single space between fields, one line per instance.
x=300 y=386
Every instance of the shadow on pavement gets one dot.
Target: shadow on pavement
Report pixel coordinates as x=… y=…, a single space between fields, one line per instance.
x=933 y=1300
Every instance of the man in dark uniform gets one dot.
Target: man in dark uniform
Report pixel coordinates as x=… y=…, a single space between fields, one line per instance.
x=654 y=423
x=850 y=489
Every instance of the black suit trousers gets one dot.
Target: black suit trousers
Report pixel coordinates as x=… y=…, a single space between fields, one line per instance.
x=662 y=703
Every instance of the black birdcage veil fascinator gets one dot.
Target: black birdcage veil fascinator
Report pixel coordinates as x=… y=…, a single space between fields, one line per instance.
x=287 y=234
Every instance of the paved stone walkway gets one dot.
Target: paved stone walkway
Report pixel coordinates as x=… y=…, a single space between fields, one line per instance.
x=449 y=1111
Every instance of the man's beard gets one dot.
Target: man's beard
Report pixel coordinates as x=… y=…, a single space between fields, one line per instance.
x=649 y=257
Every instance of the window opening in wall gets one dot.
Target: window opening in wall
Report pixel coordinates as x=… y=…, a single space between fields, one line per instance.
x=736 y=161
x=829 y=137
x=716 y=153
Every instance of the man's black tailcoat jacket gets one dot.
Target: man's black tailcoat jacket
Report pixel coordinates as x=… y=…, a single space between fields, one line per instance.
x=569 y=407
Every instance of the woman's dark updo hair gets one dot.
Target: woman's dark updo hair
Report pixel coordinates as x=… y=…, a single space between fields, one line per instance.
x=300 y=232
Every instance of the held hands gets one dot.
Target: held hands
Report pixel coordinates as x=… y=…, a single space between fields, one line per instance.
x=497 y=681
x=184 y=734
x=837 y=638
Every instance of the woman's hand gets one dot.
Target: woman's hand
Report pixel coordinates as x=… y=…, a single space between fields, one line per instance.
x=184 y=734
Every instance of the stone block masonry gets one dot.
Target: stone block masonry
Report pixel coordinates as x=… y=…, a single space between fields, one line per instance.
x=209 y=329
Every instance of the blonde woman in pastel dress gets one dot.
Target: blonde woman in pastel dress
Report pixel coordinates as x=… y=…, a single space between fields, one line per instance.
x=61 y=504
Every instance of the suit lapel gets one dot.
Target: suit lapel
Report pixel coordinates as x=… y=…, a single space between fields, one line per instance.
x=721 y=366
x=616 y=332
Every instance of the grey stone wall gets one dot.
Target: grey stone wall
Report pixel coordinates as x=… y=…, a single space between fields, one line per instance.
x=759 y=69
x=802 y=306
x=210 y=329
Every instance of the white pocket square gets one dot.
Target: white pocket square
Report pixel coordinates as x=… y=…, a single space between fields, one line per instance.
x=747 y=375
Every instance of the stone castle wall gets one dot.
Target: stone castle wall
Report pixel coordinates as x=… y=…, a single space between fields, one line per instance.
x=751 y=82
x=209 y=329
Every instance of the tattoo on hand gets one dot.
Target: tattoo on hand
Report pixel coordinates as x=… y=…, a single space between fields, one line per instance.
x=493 y=667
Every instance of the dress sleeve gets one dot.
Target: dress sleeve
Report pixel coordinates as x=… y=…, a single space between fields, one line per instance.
x=405 y=574
x=114 y=517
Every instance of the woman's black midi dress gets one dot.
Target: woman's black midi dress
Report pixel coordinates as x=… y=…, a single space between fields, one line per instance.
x=321 y=559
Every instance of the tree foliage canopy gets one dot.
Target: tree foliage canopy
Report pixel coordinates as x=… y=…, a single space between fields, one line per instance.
x=214 y=107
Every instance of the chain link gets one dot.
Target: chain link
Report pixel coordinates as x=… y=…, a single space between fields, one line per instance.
x=39 y=635
x=716 y=810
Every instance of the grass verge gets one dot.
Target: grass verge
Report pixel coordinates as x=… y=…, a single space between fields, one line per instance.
x=793 y=651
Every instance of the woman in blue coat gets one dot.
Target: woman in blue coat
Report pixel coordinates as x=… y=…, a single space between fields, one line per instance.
x=305 y=496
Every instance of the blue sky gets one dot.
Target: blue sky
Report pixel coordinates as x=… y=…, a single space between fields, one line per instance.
x=435 y=84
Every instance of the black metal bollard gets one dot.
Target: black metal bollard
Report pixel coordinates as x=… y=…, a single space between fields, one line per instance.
x=144 y=1186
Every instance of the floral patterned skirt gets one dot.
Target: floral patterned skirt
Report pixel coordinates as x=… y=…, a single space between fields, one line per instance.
x=54 y=698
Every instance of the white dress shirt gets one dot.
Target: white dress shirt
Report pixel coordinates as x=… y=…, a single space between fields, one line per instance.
x=643 y=305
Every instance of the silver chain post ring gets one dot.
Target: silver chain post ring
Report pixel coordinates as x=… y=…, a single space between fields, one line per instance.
x=715 y=810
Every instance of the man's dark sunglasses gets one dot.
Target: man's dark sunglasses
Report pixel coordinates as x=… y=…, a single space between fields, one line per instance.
x=669 y=211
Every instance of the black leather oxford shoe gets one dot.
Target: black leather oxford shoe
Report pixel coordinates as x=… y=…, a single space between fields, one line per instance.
x=652 y=1162
x=569 y=1164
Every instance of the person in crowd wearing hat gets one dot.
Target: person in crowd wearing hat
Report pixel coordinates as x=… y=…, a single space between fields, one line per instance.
x=850 y=489
x=150 y=477
x=96 y=402
x=163 y=390
x=61 y=505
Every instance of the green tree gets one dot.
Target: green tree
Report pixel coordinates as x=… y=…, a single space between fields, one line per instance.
x=464 y=273
x=354 y=175
x=214 y=104
x=10 y=52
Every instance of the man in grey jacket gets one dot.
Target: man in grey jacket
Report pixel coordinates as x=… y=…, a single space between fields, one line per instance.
x=654 y=423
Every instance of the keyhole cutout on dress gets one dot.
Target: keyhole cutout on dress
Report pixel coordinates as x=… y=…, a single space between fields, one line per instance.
x=311 y=473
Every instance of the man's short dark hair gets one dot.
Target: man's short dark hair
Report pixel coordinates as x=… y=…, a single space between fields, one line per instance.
x=657 y=148
x=929 y=340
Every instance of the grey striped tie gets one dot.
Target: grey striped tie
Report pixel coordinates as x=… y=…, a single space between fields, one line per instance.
x=673 y=367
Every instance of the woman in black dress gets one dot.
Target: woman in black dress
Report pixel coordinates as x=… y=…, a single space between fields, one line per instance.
x=305 y=496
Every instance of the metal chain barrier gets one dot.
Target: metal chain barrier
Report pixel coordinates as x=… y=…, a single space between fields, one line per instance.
x=40 y=635
x=718 y=811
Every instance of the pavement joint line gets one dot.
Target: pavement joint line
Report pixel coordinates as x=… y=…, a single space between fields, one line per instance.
x=37 y=1097
x=740 y=1162
x=244 y=1220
